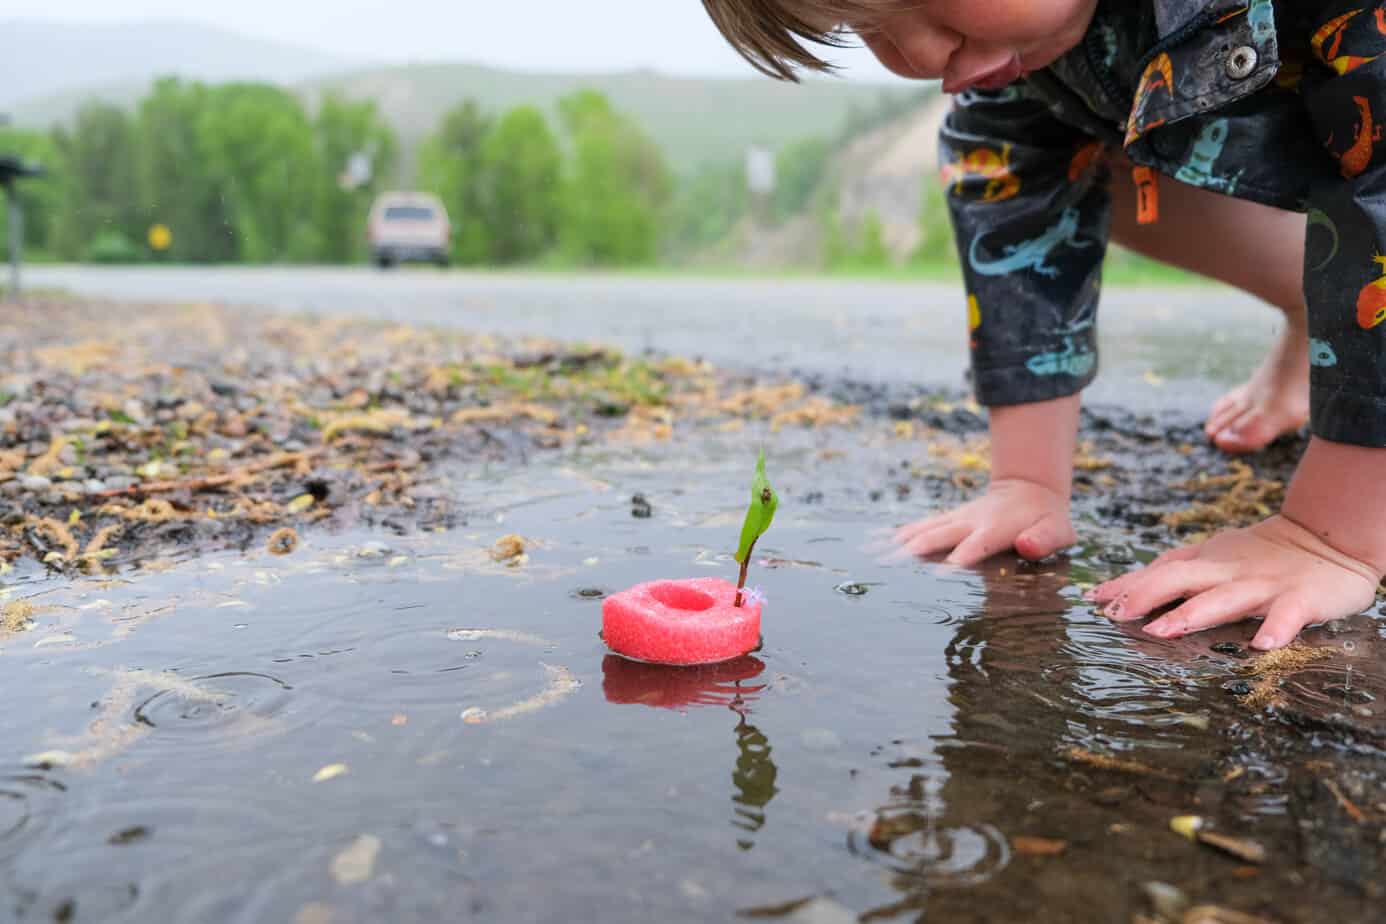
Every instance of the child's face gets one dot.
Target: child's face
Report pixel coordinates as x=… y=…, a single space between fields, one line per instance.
x=982 y=43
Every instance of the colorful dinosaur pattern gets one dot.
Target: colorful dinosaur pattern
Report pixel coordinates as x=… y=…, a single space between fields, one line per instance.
x=1319 y=218
x=1158 y=75
x=983 y=163
x=1207 y=148
x=1366 y=133
x=1033 y=253
x=1331 y=34
x=1371 y=301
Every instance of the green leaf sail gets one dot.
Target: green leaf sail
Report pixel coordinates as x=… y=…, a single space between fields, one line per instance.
x=764 y=500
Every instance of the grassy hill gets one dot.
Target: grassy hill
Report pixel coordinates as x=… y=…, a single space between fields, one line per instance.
x=694 y=119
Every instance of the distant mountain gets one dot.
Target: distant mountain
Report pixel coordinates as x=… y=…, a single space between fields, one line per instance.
x=48 y=70
x=694 y=120
x=40 y=58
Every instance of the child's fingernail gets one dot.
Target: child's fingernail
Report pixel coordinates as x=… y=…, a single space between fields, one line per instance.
x=1265 y=642
x=1159 y=629
x=1115 y=608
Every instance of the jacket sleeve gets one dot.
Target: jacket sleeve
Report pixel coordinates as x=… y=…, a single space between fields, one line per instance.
x=1030 y=210
x=1344 y=89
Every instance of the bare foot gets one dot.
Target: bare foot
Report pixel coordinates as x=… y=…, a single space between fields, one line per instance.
x=1274 y=401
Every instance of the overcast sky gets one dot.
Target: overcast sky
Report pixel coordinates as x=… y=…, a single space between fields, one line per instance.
x=673 y=36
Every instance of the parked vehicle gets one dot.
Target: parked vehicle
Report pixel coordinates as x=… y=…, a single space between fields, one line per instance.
x=409 y=226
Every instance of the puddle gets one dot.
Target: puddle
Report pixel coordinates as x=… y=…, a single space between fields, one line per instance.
x=911 y=741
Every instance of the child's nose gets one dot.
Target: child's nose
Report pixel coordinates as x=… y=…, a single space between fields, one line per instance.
x=925 y=46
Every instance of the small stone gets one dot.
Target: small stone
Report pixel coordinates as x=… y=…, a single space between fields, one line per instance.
x=852 y=589
x=1117 y=554
x=1231 y=649
x=1169 y=902
x=35 y=482
x=373 y=549
x=356 y=863
x=640 y=507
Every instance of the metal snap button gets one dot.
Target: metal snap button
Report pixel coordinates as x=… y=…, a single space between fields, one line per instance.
x=1241 y=62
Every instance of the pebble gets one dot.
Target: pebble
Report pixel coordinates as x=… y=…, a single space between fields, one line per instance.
x=852 y=589
x=94 y=486
x=121 y=482
x=1166 y=900
x=372 y=549
x=34 y=482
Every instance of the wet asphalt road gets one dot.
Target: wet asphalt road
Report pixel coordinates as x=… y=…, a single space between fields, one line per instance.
x=1161 y=347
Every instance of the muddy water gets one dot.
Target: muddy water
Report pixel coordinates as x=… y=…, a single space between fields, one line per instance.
x=398 y=728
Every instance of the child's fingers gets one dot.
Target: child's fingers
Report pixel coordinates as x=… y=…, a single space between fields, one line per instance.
x=910 y=531
x=1051 y=534
x=941 y=539
x=1287 y=615
x=1156 y=586
x=1224 y=604
x=977 y=548
x=1110 y=590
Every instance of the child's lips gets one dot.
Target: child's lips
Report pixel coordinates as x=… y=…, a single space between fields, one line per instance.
x=993 y=79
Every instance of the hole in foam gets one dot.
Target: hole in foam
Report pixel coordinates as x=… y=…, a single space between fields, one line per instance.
x=679 y=597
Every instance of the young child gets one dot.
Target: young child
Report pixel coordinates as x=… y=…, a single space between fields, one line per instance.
x=1199 y=132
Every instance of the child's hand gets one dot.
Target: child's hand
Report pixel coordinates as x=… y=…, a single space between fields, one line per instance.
x=1014 y=513
x=1276 y=568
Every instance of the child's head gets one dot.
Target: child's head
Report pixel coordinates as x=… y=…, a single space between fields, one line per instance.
x=965 y=42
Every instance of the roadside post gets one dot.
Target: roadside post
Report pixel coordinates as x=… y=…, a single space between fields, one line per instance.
x=13 y=169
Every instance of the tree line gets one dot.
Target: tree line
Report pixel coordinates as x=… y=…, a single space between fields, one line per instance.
x=247 y=173
x=243 y=172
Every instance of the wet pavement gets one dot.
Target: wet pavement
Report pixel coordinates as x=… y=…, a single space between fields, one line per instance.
x=1201 y=339
x=393 y=725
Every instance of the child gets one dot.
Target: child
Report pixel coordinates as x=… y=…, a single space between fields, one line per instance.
x=1198 y=132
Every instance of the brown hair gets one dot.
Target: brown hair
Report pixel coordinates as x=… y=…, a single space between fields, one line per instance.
x=774 y=34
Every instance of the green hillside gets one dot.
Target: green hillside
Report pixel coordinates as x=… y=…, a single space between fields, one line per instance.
x=695 y=120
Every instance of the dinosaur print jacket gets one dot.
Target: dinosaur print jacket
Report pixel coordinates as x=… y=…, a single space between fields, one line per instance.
x=1277 y=101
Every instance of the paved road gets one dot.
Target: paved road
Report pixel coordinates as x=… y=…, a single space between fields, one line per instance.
x=1197 y=340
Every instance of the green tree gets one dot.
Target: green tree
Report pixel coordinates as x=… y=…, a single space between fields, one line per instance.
x=41 y=197
x=520 y=180
x=450 y=168
x=706 y=208
x=97 y=159
x=343 y=129
x=936 y=247
x=799 y=171
x=258 y=146
x=176 y=185
x=617 y=186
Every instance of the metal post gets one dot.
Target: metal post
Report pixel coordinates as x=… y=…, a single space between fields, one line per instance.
x=16 y=237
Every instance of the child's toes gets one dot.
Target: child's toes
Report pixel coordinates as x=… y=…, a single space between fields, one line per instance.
x=1228 y=409
x=1251 y=432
